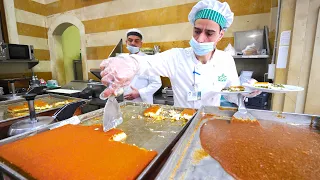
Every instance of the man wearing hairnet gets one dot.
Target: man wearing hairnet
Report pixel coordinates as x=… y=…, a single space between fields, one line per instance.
x=142 y=87
x=196 y=73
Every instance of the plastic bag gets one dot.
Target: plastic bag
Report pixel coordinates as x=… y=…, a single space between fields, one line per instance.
x=117 y=72
x=112 y=116
x=250 y=50
x=229 y=49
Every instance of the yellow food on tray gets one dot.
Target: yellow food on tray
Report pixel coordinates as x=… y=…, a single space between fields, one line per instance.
x=23 y=110
x=19 y=114
x=268 y=85
x=17 y=108
x=187 y=113
x=153 y=111
x=20 y=109
x=41 y=105
x=62 y=103
x=233 y=89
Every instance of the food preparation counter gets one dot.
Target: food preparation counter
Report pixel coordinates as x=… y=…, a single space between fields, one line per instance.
x=163 y=99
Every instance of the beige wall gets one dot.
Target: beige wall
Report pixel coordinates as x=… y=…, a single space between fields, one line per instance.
x=106 y=22
x=301 y=17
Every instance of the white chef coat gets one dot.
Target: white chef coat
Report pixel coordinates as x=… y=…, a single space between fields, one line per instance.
x=146 y=85
x=178 y=64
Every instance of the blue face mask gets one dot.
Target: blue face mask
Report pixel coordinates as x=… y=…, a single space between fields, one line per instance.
x=133 y=49
x=202 y=49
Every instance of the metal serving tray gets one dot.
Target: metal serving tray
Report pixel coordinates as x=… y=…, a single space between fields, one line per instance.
x=159 y=135
x=49 y=98
x=182 y=164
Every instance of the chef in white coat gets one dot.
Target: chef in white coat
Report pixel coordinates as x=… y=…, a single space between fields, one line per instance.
x=142 y=87
x=196 y=73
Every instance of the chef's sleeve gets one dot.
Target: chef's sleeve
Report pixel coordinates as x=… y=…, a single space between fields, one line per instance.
x=233 y=80
x=161 y=64
x=153 y=86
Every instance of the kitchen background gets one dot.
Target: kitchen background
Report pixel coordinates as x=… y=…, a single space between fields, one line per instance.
x=61 y=30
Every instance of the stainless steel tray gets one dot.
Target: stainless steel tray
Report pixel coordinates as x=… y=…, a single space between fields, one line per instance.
x=182 y=164
x=49 y=98
x=159 y=135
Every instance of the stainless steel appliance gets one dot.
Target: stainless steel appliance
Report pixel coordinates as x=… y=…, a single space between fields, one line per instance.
x=16 y=52
x=77 y=70
x=34 y=122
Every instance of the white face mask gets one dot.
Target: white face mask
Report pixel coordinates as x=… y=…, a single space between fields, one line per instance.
x=201 y=49
x=133 y=49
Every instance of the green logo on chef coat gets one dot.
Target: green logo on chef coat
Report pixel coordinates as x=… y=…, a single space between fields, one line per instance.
x=222 y=78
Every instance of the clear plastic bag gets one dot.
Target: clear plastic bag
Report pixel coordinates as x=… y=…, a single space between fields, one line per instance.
x=117 y=72
x=112 y=116
x=250 y=50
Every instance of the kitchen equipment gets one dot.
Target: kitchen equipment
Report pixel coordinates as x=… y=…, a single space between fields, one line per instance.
x=34 y=82
x=36 y=90
x=77 y=70
x=52 y=83
x=16 y=52
x=156 y=49
x=116 y=50
x=259 y=102
x=181 y=163
x=148 y=51
x=242 y=114
x=12 y=88
x=271 y=71
x=72 y=89
x=160 y=136
x=168 y=91
x=34 y=123
x=98 y=88
x=51 y=99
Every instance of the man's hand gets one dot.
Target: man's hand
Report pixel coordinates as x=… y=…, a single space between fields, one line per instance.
x=254 y=93
x=133 y=95
x=117 y=72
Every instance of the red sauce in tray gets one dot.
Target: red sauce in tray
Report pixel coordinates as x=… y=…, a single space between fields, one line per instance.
x=269 y=151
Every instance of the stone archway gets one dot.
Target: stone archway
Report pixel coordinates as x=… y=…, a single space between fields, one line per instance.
x=56 y=28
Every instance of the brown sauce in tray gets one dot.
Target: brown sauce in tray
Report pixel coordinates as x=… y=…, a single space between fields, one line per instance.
x=269 y=151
